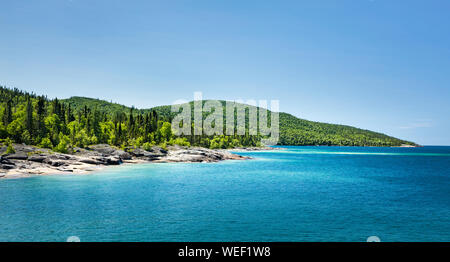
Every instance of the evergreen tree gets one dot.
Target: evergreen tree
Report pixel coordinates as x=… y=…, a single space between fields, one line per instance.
x=29 y=116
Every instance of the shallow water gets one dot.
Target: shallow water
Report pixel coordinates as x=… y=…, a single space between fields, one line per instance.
x=298 y=194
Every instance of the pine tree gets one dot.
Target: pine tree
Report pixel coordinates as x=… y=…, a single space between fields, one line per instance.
x=8 y=113
x=29 y=116
x=41 y=116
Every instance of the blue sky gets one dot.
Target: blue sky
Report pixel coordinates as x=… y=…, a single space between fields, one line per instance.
x=382 y=65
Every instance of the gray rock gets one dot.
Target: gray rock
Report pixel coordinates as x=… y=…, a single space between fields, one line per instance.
x=61 y=156
x=17 y=156
x=113 y=161
x=108 y=151
x=138 y=152
x=55 y=162
x=146 y=155
x=107 y=155
x=158 y=150
x=103 y=149
x=65 y=169
x=199 y=155
x=91 y=161
x=37 y=158
x=122 y=154
x=6 y=161
x=24 y=148
x=7 y=166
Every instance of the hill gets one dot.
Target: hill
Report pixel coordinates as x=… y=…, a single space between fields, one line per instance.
x=293 y=130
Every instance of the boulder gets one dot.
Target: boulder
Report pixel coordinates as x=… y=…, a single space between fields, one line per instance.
x=138 y=152
x=158 y=150
x=122 y=154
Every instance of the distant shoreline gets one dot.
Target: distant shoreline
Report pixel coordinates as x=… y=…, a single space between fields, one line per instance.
x=405 y=146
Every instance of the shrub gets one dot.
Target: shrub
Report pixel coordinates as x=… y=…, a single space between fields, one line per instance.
x=182 y=141
x=147 y=146
x=46 y=143
x=10 y=148
x=63 y=145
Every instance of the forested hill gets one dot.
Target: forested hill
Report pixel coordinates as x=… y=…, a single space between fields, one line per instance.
x=293 y=130
x=79 y=103
x=296 y=131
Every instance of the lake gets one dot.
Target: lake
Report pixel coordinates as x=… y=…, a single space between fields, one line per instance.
x=295 y=194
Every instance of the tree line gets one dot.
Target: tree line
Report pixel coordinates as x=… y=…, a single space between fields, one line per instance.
x=61 y=126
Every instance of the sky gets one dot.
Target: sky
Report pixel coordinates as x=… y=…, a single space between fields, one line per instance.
x=381 y=65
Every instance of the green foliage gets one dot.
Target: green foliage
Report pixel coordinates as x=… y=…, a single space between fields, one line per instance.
x=63 y=145
x=163 y=145
x=80 y=122
x=166 y=131
x=295 y=131
x=78 y=102
x=181 y=141
x=147 y=146
x=9 y=148
x=46 y=143
x=81 y=139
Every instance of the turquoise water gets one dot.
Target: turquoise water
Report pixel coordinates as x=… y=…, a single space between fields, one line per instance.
x=298 y=194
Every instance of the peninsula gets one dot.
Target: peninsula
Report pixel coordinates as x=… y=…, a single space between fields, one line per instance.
x=77 y=135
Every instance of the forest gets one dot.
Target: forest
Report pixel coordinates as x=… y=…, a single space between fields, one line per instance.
x=62 y=125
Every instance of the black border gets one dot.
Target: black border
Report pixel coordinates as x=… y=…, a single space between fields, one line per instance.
x=278 y=250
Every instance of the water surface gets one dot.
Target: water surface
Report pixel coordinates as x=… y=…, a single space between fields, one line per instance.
x=297 y=194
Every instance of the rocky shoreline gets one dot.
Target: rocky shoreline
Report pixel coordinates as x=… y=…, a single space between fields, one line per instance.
x=29 y=160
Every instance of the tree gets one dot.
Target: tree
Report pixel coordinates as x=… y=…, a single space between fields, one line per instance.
x=29 y=116
x=46 y=143
x=37 y=120
x=9 y=148
x=41 y=116
x=7 y=116
x=63 y=144
x=166 y=131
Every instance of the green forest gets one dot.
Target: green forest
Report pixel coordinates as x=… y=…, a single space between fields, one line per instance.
x=299 y=132
x=64 y=124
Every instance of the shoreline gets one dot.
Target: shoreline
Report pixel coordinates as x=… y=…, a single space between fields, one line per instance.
x=30 y=161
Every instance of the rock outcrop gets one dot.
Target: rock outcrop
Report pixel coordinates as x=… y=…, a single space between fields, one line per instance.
x=200 y=155
x=32 y=160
